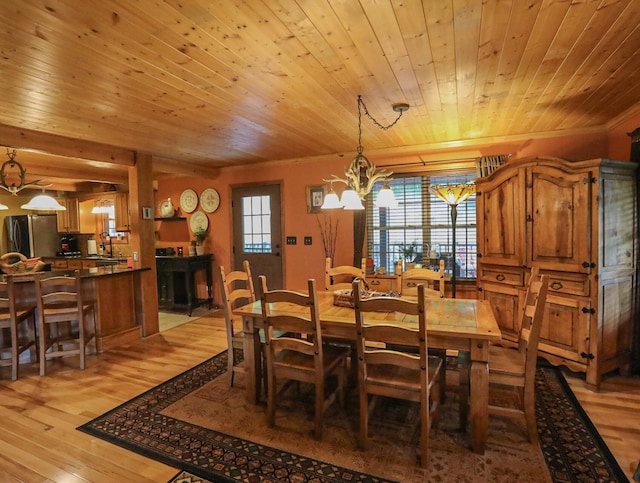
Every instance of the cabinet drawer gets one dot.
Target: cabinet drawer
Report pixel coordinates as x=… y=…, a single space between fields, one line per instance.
x=569 y=283
x=505 y=275
x=74 y=264
x=383 y=283
x=60 y=265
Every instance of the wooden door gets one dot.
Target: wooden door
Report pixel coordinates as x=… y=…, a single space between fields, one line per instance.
x=559 y=219
x=257 y=232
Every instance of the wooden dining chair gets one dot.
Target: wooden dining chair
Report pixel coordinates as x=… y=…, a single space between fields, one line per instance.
x=62 y=313
x=237 y=289
x=394 y=373
x=294 y=357
x=19 y=323
x=433 y=283
x=340 y=278
x=432 y=280
x=515 y=368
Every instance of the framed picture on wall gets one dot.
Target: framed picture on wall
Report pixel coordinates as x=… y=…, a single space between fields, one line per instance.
x=315 y=198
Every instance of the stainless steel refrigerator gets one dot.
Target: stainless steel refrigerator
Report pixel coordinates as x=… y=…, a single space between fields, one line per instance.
x=33 y=235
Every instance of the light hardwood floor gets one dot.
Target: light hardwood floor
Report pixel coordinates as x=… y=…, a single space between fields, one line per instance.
x=39 y=415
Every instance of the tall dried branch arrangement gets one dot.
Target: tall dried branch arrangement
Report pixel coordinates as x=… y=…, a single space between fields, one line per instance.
x=329 y=234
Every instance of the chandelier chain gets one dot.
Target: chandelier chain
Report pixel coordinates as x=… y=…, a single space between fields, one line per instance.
x=374 y=120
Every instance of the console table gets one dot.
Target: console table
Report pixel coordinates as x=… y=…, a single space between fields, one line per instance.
x=176 y=281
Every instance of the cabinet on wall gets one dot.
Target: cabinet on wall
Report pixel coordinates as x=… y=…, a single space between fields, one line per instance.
x=577 y=222
x=69 y=219
x=121 y=204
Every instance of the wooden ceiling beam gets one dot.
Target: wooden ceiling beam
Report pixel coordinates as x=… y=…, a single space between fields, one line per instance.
x=164 y=165
x=40 y=142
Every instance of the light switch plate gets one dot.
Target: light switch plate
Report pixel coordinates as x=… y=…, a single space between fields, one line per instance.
x=292 y=240
x=308 y=240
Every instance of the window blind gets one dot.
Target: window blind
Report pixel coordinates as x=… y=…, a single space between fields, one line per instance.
x=422 y=221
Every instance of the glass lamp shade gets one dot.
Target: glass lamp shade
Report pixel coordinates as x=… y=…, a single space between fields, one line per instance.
x=386 y=197
x=43 y=202
x=3 y=207
x=351 y=200
x=331 y=201
x=453 y=194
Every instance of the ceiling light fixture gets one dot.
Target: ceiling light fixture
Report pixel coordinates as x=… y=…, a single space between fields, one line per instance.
x=39 y=202
x=361 y=173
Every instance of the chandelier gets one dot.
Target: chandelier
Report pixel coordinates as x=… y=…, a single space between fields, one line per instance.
x=361 y=175
x=39 y=202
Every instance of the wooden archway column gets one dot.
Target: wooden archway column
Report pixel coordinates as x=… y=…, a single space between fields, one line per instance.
x=143 y=240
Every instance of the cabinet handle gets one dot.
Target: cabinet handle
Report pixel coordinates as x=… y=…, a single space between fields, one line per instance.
x=556 y=285
x=412 y=284
x=375 y=282
x=500 y=277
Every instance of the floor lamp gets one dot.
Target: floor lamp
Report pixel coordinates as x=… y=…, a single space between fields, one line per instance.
x=453 y=195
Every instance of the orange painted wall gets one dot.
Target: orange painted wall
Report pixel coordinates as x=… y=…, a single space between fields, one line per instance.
x=302 y=262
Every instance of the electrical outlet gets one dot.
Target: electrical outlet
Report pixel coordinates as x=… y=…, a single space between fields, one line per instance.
x=308 y=240
x=292 y=240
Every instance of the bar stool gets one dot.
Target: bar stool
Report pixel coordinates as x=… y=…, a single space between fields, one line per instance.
x=62 y=313
x=13 y=317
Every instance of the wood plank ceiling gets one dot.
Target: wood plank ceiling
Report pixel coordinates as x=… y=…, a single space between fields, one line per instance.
x=204 y=84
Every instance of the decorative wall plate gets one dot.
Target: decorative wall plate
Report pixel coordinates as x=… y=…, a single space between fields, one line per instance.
x=198 y=220
x=188 y=200
x=209 y=200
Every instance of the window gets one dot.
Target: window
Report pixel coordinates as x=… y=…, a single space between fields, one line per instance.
x=256 y=224
x=424 y=220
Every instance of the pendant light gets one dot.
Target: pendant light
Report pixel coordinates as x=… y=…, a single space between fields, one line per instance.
x=361 y=173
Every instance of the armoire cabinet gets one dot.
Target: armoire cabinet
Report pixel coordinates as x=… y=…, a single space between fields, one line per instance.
x=577 y=222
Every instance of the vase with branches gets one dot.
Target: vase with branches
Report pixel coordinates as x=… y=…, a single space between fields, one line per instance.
x=328 y=234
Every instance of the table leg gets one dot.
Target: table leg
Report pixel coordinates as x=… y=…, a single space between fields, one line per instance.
x=479 y=396
x=464 y=365
x=252 y=360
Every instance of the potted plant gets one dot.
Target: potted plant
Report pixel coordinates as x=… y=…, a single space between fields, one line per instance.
x=201 y=235
x=408 y=254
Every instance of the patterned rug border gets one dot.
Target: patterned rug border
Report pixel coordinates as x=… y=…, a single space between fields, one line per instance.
x=282 y=461
x=617 y=472
x=118 y=429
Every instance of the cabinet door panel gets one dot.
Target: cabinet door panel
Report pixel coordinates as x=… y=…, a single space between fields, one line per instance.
x=617 y=222
x=500 y=233
x=558 y=218
x=565 y=328
x=504 y=302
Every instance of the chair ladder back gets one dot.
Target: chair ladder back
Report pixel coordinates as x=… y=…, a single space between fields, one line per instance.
x=341 y=272
x=530 y=334
x=429 y=278
x=291 y=323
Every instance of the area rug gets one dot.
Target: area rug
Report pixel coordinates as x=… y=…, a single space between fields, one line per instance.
x=198 y=424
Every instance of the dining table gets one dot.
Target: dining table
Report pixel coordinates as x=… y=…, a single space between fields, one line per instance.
x=464 y=325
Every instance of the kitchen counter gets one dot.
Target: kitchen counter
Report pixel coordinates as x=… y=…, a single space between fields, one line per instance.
x=117 y=293
x=74 y=263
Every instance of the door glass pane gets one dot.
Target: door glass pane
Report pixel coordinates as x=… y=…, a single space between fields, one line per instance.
x=256 y=222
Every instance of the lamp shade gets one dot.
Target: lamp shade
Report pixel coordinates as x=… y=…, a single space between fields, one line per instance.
x=351 y=200
x=43 y=202
x=386 y=197
x=453 y=194
x=331 y=201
